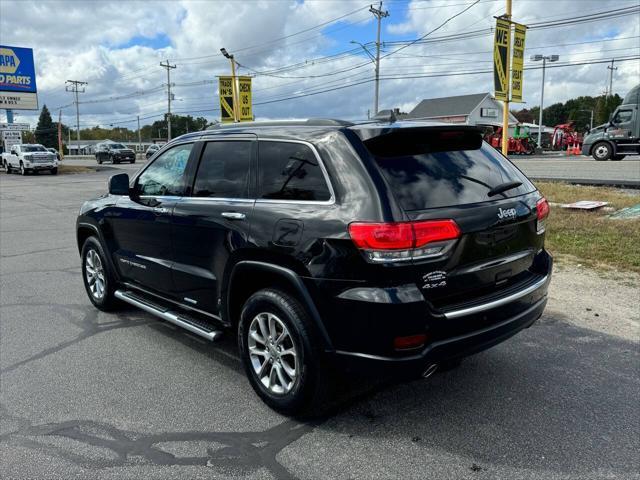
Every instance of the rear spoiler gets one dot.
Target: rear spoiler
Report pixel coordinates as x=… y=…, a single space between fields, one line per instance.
x=406 y=141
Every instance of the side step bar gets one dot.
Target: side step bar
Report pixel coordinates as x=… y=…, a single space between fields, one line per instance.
x=181 y=320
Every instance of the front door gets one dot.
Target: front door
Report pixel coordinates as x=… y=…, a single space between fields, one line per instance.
x=142 y=224
x=212 y=224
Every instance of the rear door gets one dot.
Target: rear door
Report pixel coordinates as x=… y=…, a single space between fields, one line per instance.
x=449 y=174
x=214 y=222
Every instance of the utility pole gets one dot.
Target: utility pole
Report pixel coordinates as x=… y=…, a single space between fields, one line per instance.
x=611 y=68
x=74 y=86
x=139 y=137
x=379 y=14
x=168 y=67
x=505 y=111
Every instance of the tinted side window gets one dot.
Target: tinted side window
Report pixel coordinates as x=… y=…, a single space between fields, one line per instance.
x=165 y=175
x=224 y=170
x=290 y=171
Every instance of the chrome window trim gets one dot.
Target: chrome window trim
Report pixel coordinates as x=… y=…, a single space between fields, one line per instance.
x=496 y=303
x=325 y=173
x=193 y=199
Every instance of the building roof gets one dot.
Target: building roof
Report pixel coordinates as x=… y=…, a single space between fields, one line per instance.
x=447 y=106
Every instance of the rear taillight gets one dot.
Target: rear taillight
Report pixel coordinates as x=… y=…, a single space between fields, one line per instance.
x=542 y=211
x=401 y=241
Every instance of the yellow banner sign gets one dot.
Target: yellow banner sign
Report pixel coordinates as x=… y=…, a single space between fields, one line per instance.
x=517 y=63
x=501 y=58
x=225 y=91
x=244 y=101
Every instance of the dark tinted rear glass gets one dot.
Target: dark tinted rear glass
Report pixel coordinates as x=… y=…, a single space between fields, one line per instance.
x=439 y=169
x=224 y=170
x=290 y=171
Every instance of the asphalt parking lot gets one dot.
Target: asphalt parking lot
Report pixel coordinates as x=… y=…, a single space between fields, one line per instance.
x=85 y=394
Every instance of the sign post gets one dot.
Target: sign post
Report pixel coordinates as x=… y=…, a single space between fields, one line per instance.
x=501 y=57
x=18 y=89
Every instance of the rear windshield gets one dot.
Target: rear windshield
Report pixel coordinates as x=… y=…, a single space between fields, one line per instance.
x=434 y=170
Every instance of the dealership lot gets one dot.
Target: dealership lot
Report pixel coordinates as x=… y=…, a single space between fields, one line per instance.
x=88 y=394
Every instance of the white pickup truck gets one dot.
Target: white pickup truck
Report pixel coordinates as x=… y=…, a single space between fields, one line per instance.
x=27 y=158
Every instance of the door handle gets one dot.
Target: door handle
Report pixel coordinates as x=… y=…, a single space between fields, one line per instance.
x=234 y=215
x=160 y=210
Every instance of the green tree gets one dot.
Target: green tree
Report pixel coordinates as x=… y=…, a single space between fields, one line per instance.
x=46 y=132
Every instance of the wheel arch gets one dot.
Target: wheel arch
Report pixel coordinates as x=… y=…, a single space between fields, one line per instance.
x=263 y=275
x=85 y=230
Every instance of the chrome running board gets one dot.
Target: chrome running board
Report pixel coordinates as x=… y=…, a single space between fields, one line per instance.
x=180 y=319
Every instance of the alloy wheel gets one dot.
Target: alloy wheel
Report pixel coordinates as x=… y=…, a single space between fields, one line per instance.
x=272 y=353
x=94 y=271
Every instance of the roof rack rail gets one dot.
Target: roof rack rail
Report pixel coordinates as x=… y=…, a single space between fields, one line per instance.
x=310 y=122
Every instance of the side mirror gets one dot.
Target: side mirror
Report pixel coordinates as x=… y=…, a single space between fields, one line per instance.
x=119 y=184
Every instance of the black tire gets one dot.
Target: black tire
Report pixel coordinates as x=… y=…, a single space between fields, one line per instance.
x=99 y=161
x=618 y=157
x=23 y=171
x=602 y=151
x=54 y=171
x=107 y=301
x=309 y=390
x=133 y=161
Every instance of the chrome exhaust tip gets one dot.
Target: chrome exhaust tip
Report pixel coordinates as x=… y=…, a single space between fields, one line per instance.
x=430 y=370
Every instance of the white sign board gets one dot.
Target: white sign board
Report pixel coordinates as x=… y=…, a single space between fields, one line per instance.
x=19 y=100
x=11 y=137
x=15 y=126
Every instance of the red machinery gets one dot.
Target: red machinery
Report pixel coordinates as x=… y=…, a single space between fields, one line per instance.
x=565 y=136
x=521 y=144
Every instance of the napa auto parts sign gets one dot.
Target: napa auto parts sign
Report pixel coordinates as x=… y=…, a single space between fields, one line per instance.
x=17 y=79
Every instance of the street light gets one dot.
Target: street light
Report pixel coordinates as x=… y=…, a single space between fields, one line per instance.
x=544 y=58
x=234 y=90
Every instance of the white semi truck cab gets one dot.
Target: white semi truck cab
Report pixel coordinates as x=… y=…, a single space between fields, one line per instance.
x=29 y=158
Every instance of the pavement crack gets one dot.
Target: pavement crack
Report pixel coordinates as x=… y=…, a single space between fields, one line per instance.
x=238 y=453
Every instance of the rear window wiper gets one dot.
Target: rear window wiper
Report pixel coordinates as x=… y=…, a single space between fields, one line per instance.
x=503 y=187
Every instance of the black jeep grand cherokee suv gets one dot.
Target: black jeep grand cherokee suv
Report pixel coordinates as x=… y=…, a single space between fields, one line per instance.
x=401 y=245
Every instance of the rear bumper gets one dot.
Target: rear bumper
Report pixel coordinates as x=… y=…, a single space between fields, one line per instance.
x=363 y=332
x=446 y=349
